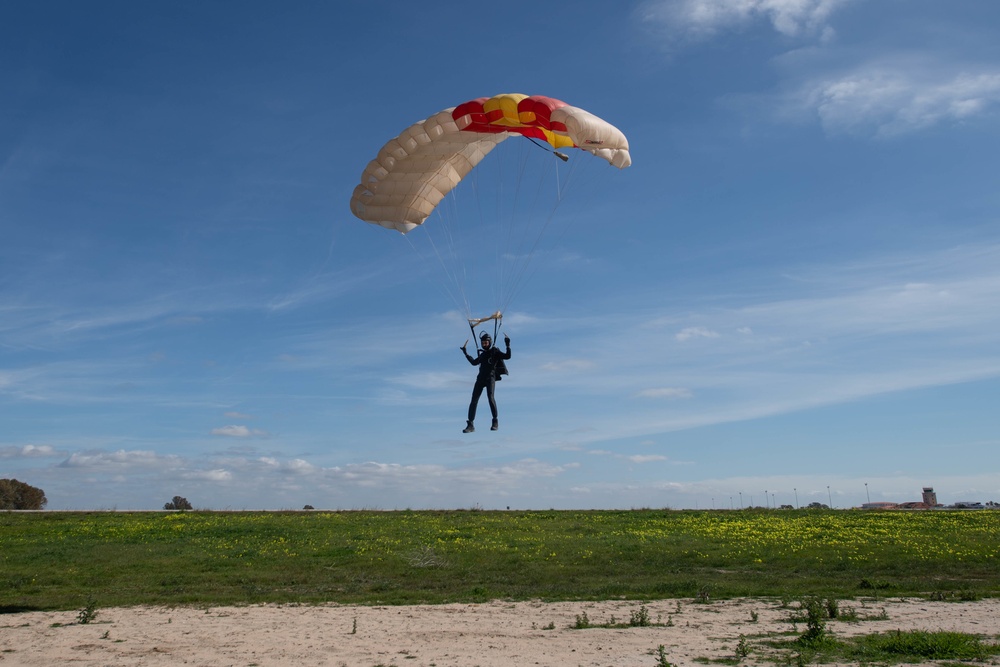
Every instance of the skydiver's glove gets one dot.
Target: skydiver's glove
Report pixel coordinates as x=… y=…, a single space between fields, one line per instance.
x=463 y=349
x=506 y=340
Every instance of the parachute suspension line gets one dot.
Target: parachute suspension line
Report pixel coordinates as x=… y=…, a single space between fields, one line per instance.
x=509 y=252
x=528 y=266
x=519 y=223
x=453 y=287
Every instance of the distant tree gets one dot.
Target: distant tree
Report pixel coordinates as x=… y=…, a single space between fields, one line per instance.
x=818 y=506
x=308 y=507
x=178 y=503
x=15 y=495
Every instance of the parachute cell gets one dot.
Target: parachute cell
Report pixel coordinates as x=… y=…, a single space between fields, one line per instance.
x=412 y=173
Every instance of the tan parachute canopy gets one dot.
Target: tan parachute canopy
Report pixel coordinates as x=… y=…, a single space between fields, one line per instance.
x=412 y=173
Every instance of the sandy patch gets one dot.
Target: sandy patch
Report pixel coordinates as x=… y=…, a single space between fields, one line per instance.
x=454 y=635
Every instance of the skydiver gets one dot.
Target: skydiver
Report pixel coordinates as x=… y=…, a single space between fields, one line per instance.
x=491 y=367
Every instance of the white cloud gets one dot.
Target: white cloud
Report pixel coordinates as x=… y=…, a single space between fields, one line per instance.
x=646 y=458
x=695 y=332
x=120 y=459
x=888 y=100
x=28 y=452
x=217 y=475
x=696 y=20
x=238 y=431
x=296 y=466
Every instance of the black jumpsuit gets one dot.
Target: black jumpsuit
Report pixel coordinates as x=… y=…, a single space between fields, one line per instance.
x=490 y=362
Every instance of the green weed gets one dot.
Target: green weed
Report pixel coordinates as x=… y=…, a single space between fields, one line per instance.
x=88 y=614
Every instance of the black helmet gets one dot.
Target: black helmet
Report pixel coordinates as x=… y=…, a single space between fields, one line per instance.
x=485 y=336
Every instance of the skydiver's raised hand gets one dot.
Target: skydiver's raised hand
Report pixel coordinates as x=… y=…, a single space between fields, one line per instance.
x=506 y=340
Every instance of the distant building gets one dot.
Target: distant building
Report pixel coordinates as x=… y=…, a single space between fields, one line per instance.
x=878 y=506
x=929 y=497
x=914 y=505
x=968 y=505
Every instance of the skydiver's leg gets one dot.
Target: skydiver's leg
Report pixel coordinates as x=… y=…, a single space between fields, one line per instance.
x=491 y=386
x=477 y=391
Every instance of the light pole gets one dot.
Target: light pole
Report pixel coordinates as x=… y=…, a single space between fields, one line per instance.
x=741 y=500
x=829 y=496
x=766 y=504
x=866 y=494
x=796 y=490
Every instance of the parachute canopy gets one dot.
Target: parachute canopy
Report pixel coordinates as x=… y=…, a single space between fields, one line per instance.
x=412 y=173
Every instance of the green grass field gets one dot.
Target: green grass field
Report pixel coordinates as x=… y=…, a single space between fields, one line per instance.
x=55 y=560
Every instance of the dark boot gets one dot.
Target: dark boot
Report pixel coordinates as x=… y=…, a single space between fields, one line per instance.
x=469 y=428
x=495 y=425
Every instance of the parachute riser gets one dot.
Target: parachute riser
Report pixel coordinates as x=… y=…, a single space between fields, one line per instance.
x=497 y=318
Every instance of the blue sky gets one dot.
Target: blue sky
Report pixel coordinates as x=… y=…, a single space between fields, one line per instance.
x=793 y=290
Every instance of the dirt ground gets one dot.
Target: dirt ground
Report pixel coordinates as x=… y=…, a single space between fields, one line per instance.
x=455 y=635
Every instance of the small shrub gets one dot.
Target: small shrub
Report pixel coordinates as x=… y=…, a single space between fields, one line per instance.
x=88 y=613
x=582 y=621
x=742 y=648
x=815 y=632
x=849 y=614
x=640 y=618
x=661 y=657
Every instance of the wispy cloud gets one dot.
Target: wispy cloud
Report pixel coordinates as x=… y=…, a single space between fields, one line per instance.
x=239 y=431
x=646 y=458
x=28 y=452
x=690 y=333
x=836 y=333
x=696 y=20
x=887 y=100
x=665 y=393
x=121 y=459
